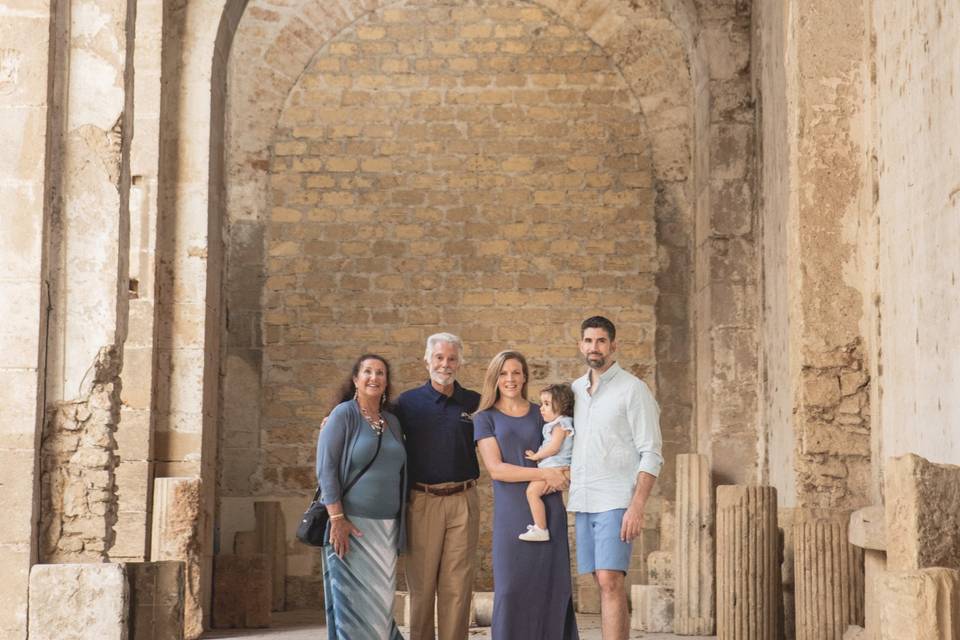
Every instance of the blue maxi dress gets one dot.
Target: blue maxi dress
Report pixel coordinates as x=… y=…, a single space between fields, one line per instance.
x=533 y=596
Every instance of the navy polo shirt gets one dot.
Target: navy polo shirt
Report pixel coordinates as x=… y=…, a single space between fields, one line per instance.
x=439 y=434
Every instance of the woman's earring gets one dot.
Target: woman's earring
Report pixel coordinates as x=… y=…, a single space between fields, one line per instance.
x=356 y=392
x=383 y=399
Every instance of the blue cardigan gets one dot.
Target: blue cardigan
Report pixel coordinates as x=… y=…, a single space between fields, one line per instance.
x=334 y=453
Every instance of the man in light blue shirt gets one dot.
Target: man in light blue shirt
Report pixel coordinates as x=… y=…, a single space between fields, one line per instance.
x=616 y=460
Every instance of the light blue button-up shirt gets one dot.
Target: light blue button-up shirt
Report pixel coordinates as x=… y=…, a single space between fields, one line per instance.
x=618 y=436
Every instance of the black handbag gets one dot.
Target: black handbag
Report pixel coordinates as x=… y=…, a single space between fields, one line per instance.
x=314 y=522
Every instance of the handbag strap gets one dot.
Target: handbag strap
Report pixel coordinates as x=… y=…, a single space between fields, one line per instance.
x=350 y=484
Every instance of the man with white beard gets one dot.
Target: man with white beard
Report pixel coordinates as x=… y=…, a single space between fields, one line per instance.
x=443 y=516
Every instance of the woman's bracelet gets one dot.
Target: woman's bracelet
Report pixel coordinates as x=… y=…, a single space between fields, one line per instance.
x=337 y=516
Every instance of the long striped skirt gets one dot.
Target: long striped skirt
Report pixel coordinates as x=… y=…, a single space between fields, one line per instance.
x=359 y=588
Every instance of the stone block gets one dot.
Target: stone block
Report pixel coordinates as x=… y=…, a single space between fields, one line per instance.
x=588 y=599
x=241 y=588
x=651 y=608
x=920 y=605
x=78 y=602
x=401 y=608
x=271 y=541
x=867 y=529
x=693 y=561
x=177 y=534
x=922 y=514
x=156 y=600
x=660 y=568
x=481 y=608
x=874 y=567
x=245 y=543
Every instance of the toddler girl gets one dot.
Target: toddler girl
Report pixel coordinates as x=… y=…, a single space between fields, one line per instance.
x=556 y=407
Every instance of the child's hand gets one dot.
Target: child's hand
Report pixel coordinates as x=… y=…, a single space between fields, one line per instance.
x=530 y=454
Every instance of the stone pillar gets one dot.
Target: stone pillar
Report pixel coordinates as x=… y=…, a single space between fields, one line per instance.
x=920 y=605
x=829 y=576
x=156 y=600
x=271 y=541
x=748 y=563
x=242 y=596
x=651 y=608
x=178 y=527
x=922 y=509
x=78 y=602
x=694 y=548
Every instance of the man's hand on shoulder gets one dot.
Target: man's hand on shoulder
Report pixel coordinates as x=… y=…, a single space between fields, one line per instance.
x=632 y=524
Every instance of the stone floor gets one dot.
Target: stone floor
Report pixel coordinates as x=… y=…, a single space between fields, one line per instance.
x=303 y=625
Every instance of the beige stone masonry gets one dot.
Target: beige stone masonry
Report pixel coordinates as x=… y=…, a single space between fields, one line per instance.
x=660 y=568
x=178 y=526
x=829 y=582
x=271 y=541
x=79 y=602
x=651 y=608
x=693 y=561
x=242 y=594
x=922 y=513
x=866 y=529
x=156 y=600
x=748 y=563
x=920 y=605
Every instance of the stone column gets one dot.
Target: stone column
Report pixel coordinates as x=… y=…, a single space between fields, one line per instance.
x=694 y=548
x=917 y=605
x=178 y=528
x=748 y=563
x=271 y=541
x=829 y=576
x=156 y=600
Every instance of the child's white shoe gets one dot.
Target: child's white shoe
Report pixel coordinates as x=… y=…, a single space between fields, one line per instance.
x=535 y=534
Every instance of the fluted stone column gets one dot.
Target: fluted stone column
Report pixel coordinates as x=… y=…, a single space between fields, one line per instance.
x=828 y=574
x=748 y=563
x=693 y=562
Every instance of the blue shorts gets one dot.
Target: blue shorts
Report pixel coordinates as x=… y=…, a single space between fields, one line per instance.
x=598 y=542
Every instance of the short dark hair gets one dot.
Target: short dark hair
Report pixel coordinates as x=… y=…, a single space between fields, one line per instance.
x=561 y=396
x=599 y=322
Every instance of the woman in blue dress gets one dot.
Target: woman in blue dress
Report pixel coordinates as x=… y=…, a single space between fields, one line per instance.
x=533 y=597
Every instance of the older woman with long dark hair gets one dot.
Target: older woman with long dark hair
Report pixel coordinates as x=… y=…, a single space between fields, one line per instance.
x=361 y=443
x=533 y=595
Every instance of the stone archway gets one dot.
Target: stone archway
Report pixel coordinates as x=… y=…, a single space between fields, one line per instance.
x=646 y=52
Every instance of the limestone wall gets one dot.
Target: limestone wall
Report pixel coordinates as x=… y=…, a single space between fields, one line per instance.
x=815 y=188
x=917 y=142
x=24 y=108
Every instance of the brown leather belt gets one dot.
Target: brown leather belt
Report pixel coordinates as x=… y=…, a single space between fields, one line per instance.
x=446 y=489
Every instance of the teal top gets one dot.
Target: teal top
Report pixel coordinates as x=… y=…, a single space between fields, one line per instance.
x=368 y=497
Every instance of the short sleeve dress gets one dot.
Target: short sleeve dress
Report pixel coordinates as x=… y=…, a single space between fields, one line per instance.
x=533 y=597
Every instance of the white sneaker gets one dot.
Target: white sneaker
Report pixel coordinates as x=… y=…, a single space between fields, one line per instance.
x=535 y=534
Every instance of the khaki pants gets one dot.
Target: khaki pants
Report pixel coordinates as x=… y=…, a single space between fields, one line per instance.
x=442 y=534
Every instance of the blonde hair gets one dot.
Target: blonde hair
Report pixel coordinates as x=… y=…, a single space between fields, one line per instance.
x=491 y=393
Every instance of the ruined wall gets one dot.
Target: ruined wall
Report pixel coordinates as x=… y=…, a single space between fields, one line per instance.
x=79 y=461
x=917 y=60
x=815 y=190
x=88 y=278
